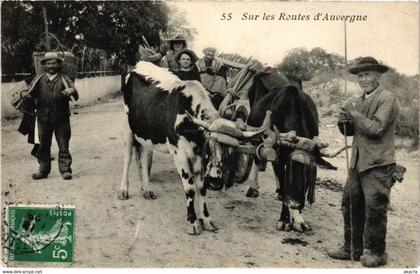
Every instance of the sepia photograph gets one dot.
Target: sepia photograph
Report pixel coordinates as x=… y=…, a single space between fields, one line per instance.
x=235 y=135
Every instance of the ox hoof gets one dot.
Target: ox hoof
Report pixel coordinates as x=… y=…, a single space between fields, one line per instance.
x=149 y=195
x=208 y=225
x=279 y=196
x=123 y=195
x=212 y=183
x=301 y=227
x=298 y=221
x=252 y=193
x=194 y=229
x=283 y=226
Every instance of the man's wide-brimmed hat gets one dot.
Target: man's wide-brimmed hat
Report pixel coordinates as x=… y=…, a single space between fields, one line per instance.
x=51 y=56
x=368 y=64
x=190 y=53
x=210 y=49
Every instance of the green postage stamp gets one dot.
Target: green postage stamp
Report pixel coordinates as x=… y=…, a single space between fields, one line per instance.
x=39 y=233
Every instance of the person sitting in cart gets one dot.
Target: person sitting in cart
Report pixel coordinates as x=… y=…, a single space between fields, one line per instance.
x=213 y=75
x=186 y=60
x=49 y=94
x=176 y=45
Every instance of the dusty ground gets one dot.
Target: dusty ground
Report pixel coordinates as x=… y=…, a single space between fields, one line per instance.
x=247 y=236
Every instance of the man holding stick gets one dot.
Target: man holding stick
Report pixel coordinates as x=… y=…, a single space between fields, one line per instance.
x=50 y=95
x=372 y=122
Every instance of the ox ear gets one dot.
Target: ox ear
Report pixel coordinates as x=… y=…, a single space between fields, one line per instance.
x=293 y=88
x=197 y=121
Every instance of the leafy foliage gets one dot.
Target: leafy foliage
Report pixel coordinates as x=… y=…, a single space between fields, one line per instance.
x=306 y=64
x=112 y=26
x=177 y=24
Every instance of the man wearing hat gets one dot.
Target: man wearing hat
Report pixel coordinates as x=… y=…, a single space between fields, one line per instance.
x=208 y=64
x=50 y=93
x=213 y=75
x=372 y=122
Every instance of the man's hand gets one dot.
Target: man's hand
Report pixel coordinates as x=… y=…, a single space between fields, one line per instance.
x=349 y=108
x=24 y=94
x=343 y=117
x=68 y=91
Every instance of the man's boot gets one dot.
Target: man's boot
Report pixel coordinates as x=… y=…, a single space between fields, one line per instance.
x=343 y=253
x=369 y=259
x=39 y=175
x=67 y=176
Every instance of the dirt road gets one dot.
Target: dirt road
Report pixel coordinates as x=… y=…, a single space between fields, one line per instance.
x=106 y=227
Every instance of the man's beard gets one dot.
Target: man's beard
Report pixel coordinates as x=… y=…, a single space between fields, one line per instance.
x=369 y=88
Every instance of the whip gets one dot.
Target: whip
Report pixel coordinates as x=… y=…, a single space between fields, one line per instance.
x=347 y=153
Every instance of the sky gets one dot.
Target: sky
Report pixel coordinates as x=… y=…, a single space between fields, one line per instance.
x=390 y=31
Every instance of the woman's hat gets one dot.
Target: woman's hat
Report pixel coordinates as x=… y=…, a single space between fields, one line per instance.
x=51 y=56
x=190 y=53
x=368 y=64
x=178 y=37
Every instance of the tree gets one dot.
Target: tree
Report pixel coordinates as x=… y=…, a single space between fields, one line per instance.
x=115 y=27
x=178 y=24
x=304 y=64
x=17 y=40
x=297 y=63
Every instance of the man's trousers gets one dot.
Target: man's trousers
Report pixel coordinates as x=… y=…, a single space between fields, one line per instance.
x=62 y=134
x=369 y=201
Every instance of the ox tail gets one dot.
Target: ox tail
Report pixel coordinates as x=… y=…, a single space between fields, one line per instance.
x=300 y=179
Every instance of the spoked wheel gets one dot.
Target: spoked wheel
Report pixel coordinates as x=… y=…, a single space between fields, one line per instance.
x=241 y=167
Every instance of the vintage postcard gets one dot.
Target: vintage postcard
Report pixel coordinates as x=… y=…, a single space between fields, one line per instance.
x=255 y=134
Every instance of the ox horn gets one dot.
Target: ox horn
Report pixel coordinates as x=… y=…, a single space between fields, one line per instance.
x=197 y=121
x=250 y=134
x=265 y=124
x=229 y=127
x=255 y=131
x=331 y=154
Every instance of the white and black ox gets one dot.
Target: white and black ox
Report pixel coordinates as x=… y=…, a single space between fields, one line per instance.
x=162 y=109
